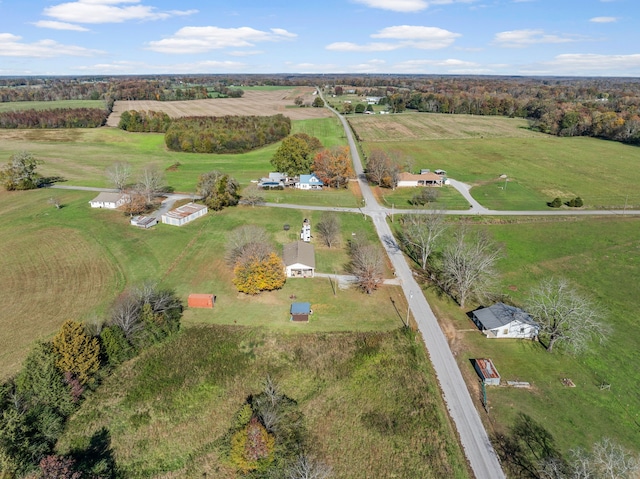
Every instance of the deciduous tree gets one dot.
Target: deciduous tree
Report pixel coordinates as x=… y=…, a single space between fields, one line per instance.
x=119 y=174
x=367 y=265
x=150 y=182
x=20 y=172
x=218 y=190
x=318 y=102
x=329 y=228
x=382 y=170
x=333 y=166
x=293 y=156
x=420 y=234
x=247 y=242
x=254 y=275
x=468 y=265
x=565 y=316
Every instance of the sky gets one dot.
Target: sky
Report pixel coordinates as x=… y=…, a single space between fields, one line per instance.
x=454 y=37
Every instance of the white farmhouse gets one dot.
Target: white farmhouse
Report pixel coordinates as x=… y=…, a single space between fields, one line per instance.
x=503 y=321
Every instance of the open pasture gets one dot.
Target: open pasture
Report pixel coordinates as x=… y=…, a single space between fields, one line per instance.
x=430 y=126
x=72 y=263
x=601 y=257
x=253 y=102
x=80 y=156
x=538 y=167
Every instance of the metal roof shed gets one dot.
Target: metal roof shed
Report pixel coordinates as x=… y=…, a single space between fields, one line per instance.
x=300 y=311
x=487 y=372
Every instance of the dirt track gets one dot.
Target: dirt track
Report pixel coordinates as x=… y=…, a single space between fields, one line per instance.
x=254 y=102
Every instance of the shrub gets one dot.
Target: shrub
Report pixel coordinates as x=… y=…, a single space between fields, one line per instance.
x=556 y=203
x=575 y=202
x=252 y=447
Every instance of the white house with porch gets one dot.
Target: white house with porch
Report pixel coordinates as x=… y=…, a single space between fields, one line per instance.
x=425 y=179
x=504 y=321
x=299 y=260
x=309 y=182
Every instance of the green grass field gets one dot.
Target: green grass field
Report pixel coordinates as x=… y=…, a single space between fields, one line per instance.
x=73 y=262
x=369 y=400
x=81 y=156
x=605 y=266
x=50 y=105
x=478 y=150
x=448 y=198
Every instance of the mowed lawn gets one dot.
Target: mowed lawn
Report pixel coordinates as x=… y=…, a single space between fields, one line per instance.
x=601 y=257
x=73 y=262
x=479 y=150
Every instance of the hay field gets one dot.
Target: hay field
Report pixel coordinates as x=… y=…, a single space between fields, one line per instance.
x=432 y=126
x=254 y=102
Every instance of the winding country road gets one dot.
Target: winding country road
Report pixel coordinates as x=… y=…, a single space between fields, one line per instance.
x=473 y=436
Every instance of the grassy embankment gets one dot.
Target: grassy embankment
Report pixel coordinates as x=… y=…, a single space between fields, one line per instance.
x=539 y=167
x=370 y=403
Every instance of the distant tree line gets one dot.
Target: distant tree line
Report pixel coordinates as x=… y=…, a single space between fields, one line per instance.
x=225 y=134
x=55 y=118
x=36 y=403
x=144 y=121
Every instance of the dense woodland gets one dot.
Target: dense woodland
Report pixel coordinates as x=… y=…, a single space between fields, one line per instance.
x=56 y=118
x=226 y=134
x=144 y=121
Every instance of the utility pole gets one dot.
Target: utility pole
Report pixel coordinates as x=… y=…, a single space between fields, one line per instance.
x=409 y=307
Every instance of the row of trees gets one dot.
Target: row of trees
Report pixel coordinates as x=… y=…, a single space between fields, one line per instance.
x=149 y=183
x=144 y=121
x=227 y=134
x=36 y=403
x=54 y=118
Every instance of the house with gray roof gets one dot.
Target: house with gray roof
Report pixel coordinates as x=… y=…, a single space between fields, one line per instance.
x=299 y=260
x=109 y=200
x=504 y=321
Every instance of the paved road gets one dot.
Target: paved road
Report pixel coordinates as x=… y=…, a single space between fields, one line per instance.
x=473 y=436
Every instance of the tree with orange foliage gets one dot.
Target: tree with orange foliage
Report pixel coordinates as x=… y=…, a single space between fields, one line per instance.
x=333 y=166
x=255 y=275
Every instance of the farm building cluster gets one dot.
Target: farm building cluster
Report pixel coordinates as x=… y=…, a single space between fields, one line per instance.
x=277 y=180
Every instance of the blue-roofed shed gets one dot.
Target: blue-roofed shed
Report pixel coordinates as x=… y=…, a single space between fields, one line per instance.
x=300 y=311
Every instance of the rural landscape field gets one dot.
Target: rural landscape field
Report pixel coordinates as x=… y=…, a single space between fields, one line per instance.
x=357 y=376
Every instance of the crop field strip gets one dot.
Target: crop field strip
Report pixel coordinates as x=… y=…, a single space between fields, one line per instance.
x=254 y=102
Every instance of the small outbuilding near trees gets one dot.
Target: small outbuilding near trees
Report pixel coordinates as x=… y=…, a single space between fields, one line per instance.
x=201 y=300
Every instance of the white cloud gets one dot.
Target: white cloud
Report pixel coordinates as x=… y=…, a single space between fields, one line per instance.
x=354 y=47
x=524 y=38
x=604 y=20
x=204 y=39
x=407 y=6
x=591 y=63
x=108 y=11
x=245 y=53
x=129 y=67
x=60 y=26
x=405 y=36
x=12 y=46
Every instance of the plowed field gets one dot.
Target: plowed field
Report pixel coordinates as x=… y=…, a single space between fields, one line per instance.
x=254 y=102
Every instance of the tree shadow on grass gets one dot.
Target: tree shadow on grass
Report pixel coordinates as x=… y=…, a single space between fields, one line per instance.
x=96 y=460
